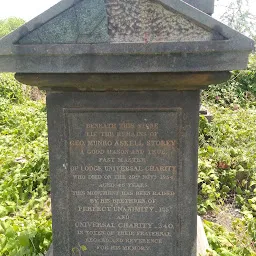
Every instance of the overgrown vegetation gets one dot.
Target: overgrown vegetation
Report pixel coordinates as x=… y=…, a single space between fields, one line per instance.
x=227 y=165
x=10 y=24
x=25 y=219
x=239 y=91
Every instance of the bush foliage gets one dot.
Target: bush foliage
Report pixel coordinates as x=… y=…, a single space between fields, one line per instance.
x=25 y=223
x=227 y=153
x=239 y=91
x=10 y=24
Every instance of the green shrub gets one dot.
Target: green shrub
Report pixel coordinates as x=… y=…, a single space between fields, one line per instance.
x=227 y=153
x=11 y=90
x=227 y=159
x=229 y=243
x=10 y=24
x=25 y=218
x=239 y=90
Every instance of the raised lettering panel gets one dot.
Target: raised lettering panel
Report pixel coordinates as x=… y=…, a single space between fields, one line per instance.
x=123 y=180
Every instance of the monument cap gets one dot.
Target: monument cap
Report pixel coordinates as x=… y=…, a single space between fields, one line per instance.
x=132 y=36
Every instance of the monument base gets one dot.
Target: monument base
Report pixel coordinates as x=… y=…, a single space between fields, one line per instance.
x=123 y=158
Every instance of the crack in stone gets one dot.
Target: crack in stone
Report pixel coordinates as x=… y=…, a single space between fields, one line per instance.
x=77 y=23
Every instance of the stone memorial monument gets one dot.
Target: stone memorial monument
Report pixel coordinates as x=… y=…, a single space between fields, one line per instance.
x=123 y=80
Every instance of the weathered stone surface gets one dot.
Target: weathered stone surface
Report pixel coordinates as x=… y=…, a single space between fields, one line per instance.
x=127 y=63
x=202 y=243
x=123 y=37
x=124 y=82
x=127 y=21
x=61 y=29
x=206 y=113
x=146 y=21
x=86 y=22
x=127 y=163
x=92 y=21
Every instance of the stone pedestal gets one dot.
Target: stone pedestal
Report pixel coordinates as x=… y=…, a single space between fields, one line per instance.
x=124 y=163
x=124 y=172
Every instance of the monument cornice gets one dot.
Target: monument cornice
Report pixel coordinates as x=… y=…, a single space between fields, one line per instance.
x=220 y=48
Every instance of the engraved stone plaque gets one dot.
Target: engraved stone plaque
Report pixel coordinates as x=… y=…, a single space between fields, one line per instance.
x=122 y=180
